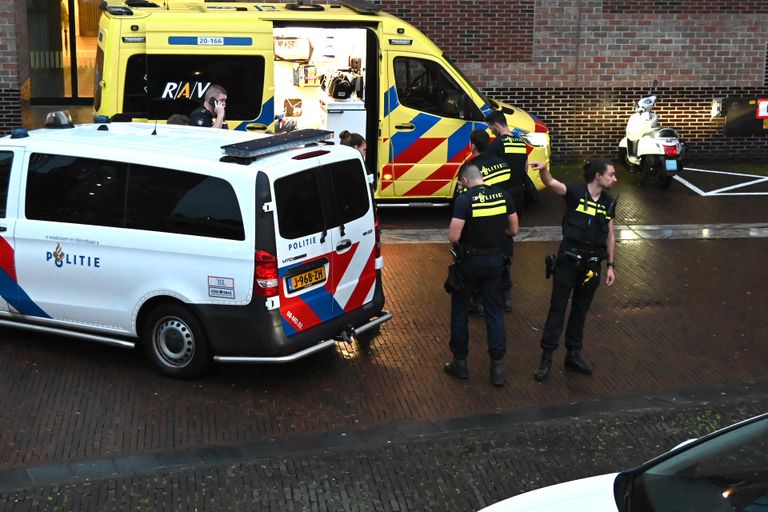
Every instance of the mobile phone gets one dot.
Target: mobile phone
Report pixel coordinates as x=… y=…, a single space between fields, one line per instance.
x=213 y=102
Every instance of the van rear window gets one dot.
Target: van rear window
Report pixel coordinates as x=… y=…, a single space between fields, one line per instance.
x=97 y=192
x=157 y=86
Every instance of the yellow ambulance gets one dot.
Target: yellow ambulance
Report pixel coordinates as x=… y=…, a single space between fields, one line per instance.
x=345 y=66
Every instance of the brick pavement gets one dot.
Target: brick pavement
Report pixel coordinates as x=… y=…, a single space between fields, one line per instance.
x=457 y=469
x=682 y=315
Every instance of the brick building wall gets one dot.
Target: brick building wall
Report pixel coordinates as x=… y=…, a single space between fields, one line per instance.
x=13 y=84
x=580 y=64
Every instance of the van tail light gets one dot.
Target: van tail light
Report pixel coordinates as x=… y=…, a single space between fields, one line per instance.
x=377 y=230
x=265 y=280
x=670 y=150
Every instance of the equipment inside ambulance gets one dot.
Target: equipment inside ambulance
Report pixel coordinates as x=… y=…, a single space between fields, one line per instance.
x=188 y=241
x=298 y=66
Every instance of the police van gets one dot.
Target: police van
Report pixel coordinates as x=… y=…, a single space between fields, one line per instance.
x=305 y=66
x=197 y=244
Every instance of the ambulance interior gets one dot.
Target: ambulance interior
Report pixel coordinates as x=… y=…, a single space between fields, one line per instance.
x=320 y=79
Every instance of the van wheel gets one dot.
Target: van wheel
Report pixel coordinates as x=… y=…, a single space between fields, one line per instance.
x=175 y=342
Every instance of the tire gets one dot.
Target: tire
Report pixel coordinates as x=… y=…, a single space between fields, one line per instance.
x=175 y=341
x=665 y=181
x=621 y=157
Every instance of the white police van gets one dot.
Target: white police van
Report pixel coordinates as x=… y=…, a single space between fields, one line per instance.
x=197 y=243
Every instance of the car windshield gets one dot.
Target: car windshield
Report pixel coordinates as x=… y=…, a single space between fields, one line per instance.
x=728 y=472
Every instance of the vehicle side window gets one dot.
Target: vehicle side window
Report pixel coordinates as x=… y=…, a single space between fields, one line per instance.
x=77 y=190
x=182 y=202
x=6 y=160
x=424 y=85
x=175 y=84
x=350 y=190
x=300 y=211
x=135 y=90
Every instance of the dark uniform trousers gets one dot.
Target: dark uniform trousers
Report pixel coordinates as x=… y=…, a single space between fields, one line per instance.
x=570 y=280
x=482 y=273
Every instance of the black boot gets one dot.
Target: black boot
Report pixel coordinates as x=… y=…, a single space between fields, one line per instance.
x=497 y=372
x=574 y=362
x=544 y=365
x=457 y=368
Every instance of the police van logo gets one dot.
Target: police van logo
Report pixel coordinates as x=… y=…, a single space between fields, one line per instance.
x=184 y=90
x=60 y=258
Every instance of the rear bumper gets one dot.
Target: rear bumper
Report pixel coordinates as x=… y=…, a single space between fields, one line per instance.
x=252 y=333
x=385 y=315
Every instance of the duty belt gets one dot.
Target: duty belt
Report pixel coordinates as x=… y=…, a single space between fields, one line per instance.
x=582 y=256
x=485 y=251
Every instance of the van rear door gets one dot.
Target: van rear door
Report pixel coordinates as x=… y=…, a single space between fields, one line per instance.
x=304 y=245
x=354 y=238
x=325 y=241
x=12 y=297
x=429 y=117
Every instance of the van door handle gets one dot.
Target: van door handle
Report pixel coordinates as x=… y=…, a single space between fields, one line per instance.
x=406 y=127
x=3 y=229
x=344 y=244
x=255 y=127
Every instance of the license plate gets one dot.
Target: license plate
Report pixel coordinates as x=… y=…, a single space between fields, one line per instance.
x=671 y=165
x=305 y=279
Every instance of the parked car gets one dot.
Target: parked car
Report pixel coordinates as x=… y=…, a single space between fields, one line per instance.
x=726 y=470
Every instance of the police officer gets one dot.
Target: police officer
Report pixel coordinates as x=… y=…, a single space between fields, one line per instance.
x=482 y=218
x=513 y=150
x=211 y=113
x=588 y=239
x=496 y=172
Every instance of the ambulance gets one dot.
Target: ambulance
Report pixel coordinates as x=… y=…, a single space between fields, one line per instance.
x=285 y=66
x=196 y=245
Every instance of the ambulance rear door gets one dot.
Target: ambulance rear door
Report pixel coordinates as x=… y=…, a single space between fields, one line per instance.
x=429 y=117
x=185 y=56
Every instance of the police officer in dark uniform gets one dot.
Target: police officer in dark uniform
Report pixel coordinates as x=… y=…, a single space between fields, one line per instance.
x=211 y=113
x=513 y=150
x=483 y=217
x=496 y=172
x=588 y=239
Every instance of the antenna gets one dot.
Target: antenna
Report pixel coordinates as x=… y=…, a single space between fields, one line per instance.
x=154 y=132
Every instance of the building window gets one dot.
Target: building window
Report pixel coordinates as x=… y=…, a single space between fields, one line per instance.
x=62 y=43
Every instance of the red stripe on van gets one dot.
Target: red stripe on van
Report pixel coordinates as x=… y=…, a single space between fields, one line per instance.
x=7 y=261
x=418 y=150
x=363 y=284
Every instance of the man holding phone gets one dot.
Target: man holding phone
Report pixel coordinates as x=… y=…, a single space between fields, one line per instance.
x=211 y=113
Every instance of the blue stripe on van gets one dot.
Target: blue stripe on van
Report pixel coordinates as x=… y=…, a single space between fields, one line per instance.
x=18 y=298
x=266 y=117
x=210 y=41
x=459 y=139
x=422 y=123
x=390 y=101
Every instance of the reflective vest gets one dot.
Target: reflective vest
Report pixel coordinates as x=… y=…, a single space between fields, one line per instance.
x=586 y=222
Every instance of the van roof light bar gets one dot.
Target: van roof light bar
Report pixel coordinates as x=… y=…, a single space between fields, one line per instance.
x=268 y=145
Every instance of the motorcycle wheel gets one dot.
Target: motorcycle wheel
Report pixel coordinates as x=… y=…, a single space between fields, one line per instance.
x=665 y=181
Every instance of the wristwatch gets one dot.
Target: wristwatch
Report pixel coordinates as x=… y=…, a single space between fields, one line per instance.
x=610 y=264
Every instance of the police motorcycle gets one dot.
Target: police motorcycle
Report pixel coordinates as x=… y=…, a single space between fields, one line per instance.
x=655 y=151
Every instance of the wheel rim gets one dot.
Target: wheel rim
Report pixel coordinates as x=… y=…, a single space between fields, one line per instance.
x=174 y=342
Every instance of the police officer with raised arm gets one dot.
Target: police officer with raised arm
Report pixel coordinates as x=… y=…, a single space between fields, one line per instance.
x=483 y=217
x=588 y=239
